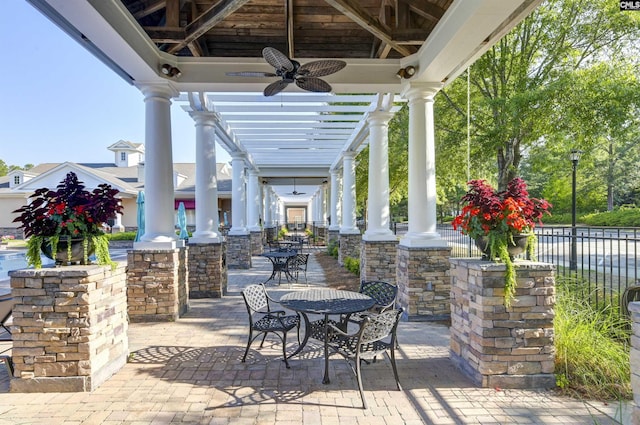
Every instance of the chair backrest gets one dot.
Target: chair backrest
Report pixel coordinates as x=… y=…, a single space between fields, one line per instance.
x=383 y=293
x=301 y=261
x=380 y=326
x=255 y=297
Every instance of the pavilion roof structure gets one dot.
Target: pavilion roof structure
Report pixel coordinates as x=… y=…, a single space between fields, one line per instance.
x=294 y=133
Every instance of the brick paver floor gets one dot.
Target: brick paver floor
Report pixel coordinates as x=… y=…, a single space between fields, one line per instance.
x=189 y=372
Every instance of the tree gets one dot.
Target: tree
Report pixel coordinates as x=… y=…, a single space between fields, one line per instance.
x=513 y=83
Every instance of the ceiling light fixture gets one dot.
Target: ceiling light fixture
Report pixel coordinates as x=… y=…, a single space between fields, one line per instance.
x=170 y=71
x=406 y=72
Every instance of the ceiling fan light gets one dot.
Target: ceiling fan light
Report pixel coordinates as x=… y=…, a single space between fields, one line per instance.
x=166 y=69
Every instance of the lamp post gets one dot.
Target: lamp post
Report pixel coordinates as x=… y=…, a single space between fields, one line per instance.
x=573 y=262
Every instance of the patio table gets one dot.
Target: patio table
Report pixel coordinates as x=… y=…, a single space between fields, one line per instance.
x=325 y=302
x=280 y=264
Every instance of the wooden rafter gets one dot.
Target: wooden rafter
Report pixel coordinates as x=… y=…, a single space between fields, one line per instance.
x=360 y=16
x=151 y=8
x=425 y=9
x=206 y=21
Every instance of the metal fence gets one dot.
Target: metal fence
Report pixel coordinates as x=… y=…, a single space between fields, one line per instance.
x=606 y=259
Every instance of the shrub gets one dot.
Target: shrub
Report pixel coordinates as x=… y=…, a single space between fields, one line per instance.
x=332 y=248
x=624 y=216
x=592 y=351
x=353 y=265
x=122 y=236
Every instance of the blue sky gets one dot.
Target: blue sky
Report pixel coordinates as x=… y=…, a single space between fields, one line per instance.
x=60 y=103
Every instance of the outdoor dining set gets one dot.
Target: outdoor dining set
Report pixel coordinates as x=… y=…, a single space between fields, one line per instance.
x=287 y=257
x=357 y=325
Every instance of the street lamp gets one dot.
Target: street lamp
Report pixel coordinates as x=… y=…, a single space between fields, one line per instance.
x=573 y=262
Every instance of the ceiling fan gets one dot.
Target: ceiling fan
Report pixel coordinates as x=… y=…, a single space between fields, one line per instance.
x=305 y=76
x=295 y=192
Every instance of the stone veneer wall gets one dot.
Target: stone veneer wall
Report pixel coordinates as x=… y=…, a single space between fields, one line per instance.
x=156 y=285
x=207 y=270
x=424 y=285
x=333 y=235
x=349 y=246
x=634 y=309
x=497 y=346
x=69 y=327
x=271 y=233
x=378 y=260
x=257 y=247
x=239 y=251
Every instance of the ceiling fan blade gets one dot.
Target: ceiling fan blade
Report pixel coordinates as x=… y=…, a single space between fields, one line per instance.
x=275 y=87
x=321 y=68
x=251 y=74
x=313 y=84
x=277 y=59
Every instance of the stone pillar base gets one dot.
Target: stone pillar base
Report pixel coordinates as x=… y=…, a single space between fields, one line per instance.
x=271 y=233
x=378 y=260
x=422 y=276
x=257 y=247
x=239 y=251
x=69 y=327
x=156 y=285
x=496 y=346
x=333 y=235
x=207 y=270
x=349 y=246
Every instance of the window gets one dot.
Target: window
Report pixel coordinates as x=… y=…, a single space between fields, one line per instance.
x=16 y=179
x=123 y=156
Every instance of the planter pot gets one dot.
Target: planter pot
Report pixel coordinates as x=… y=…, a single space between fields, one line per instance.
x=61 y=256
x=518 y=246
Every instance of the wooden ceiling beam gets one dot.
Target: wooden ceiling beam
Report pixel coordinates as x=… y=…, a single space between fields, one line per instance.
x=425 y=9
x=151 y=8
x=207 y=20
x=356 y=13
x=172 y=13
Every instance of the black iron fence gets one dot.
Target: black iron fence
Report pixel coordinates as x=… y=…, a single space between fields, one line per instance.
x=606 y=259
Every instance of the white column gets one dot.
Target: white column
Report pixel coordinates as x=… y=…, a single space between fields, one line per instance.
x=117 y=224
x=335 y=222
x=349 y=194
x=422 y=168
x=158 y=170
x=238 y=207
x=267 y=206
x=378 y=196
x=253 y=202
x=207 y=221
x=322 y=216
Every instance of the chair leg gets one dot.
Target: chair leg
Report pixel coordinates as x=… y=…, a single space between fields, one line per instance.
x=248 y=345
x=395 y=369
x=359 y=378
x=264 y=336
x=284 y=350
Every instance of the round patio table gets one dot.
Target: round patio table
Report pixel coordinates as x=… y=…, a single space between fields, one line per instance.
x=280 y=263
x=325 y=302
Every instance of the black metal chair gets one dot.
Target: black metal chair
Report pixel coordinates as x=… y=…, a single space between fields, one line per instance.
x=375 y=335
x=297 y=265
x=263 y=320
x=383 y=293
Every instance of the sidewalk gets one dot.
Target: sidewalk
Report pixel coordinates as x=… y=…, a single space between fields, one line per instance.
x=189 y=372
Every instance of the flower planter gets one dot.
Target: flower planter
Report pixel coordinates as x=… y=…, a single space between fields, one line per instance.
x=515 y=247
x=62 y=257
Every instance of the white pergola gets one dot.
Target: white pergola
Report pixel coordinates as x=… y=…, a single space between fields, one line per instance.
x=312 y=137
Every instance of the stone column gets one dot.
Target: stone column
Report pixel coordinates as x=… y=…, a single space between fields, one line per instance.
x=207 y=270
x=334 y=226
x=253 y=213
x=422 y=271
x=158 y=170
x=207 y=221
x=238 y=239
x=350 y=237
x=69 y=327
x=497 y=346
x=159 y=240
x=378 y=249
